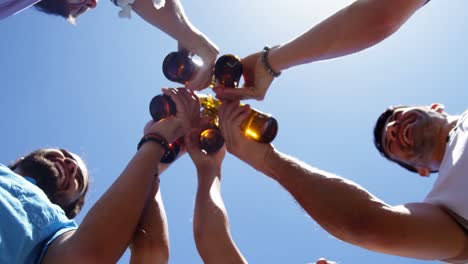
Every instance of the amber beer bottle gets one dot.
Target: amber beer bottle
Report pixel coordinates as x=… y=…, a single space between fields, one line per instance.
x=179 y=67
x=162 y=106
x=228 y=70
x=258 y=126
x=210 y=138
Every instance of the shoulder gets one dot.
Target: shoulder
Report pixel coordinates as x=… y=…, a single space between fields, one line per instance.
x=65 y=249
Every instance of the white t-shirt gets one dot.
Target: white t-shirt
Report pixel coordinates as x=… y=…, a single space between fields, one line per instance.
x=450 y=190
x=11 y=7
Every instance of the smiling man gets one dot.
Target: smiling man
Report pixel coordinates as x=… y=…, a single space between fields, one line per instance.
x=422 y=139
x=62 y=176
x=426 y=140
x=39 y=195
x=40 y=190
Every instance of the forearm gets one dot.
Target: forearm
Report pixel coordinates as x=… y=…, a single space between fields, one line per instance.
x=108 y=227
x=337 y=204
x=211 y=224
x=151 y=239
x=349 y=212
x=354 y=28
x=172 y=20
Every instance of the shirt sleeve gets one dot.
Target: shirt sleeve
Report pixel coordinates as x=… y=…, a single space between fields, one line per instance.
x=70 y=226
x=11 y=7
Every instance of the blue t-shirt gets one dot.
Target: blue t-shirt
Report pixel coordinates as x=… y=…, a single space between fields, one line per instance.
x=29 y=222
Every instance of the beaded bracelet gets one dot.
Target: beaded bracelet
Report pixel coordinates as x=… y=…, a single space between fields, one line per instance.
x=156 y=138
x=265 y=63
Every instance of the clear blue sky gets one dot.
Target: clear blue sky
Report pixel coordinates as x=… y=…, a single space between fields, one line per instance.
x=87 y=88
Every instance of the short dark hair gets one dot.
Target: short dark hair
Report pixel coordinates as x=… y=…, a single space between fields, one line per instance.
x=378 y=133
x=54 y=7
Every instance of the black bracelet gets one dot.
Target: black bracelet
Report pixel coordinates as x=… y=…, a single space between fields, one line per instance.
x=156 y=138
x=265 y=63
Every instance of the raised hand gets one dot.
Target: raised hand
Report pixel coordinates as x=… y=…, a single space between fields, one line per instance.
x=208 y=52
x=256 y=81
x=186 y=117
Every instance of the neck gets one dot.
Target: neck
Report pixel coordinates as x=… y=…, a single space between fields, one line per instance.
x=446 y=128
x=18 y=171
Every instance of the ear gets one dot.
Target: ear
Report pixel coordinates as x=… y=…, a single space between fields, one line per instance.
x=439 y=108
x=424 y=172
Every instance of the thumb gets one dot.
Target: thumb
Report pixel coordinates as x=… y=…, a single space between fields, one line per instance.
x=191 y=140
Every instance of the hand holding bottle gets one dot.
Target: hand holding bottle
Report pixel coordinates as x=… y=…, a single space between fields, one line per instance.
x=180 y=67
x=231 y=117
x=202 y=160
x=257 y=80
x=210 y=138
x=180 y=122
x=208 y=52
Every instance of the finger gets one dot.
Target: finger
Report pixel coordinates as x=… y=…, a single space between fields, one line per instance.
x=191 y=141
x=227 y=118
x=240 y=114
x=235 y=94
x=225 y=109
x=185 y=99
x=147 y=126
x=201 y=78
x=173 y=94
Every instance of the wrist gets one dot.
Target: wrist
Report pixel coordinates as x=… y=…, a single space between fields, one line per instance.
x=259 y=157
x=206 y=49
x=168 y=128
x=196 y=42
x=272 y=59
x=208 y=170
x=152 y=150
x=153 y=143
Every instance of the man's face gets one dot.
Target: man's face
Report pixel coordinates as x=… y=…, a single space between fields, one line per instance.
x=78 y=7
x=411 y=134
x=61 y=174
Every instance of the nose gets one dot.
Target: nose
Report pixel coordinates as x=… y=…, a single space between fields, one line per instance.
x=91 y=3
x=71 y=167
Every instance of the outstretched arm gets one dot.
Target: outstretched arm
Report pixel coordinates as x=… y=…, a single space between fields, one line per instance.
x=345 y=209
x=108 y=227
x=172 y=20
x=211 y=224
x=356 y=27
x=150 y=243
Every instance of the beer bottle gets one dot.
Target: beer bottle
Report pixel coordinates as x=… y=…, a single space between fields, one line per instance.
x=211 y=140
x=162 y=106
x=178 y=67
x=228 y=70
x=258 y=126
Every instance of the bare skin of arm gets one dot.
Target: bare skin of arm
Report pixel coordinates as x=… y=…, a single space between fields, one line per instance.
x=107 y=229
x=211 y=223
x=354 y=28
x=344 y=208
x=150 y=242
x=172 y=20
